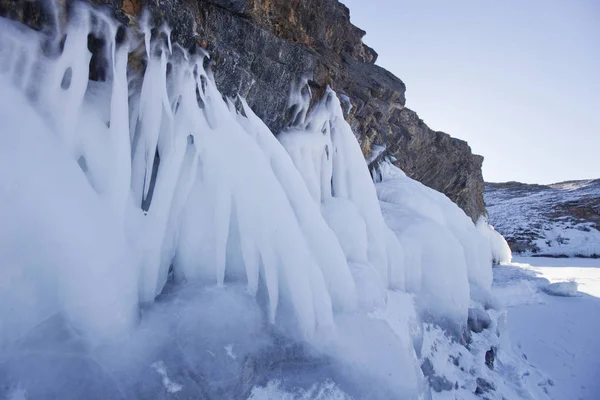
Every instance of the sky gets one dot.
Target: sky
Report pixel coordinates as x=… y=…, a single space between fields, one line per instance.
x=517 y=79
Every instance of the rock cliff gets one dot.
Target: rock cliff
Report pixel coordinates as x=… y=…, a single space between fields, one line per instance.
x=260 y=46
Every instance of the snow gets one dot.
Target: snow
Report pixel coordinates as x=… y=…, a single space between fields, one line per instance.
x=229 y=351
x=169 y=385
x=157 y=239
x=583 y=271
x=551 y=218
x=556 y=335
x=547 y=345
x=566 y=289
x=272 y=391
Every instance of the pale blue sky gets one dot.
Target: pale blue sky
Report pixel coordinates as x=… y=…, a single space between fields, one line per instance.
x=518 y=79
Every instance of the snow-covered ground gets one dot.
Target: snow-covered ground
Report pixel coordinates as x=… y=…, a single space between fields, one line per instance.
x=557 y=336
x=555 y=220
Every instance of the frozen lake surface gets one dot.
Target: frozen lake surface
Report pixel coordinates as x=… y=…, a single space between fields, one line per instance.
x=557 y=335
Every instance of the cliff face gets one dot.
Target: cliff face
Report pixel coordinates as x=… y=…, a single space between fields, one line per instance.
x=261 y=46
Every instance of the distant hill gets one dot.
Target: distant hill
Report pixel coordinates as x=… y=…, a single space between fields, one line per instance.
x=561 y=219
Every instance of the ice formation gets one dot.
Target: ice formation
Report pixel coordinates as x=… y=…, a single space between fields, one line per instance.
x=446 y=253
x=111 y=188
x=501 y=252
x=325 y=151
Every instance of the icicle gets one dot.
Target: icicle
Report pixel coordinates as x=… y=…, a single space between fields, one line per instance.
x=328 y=157
x=222 y=214
x=146 y=29
x=166 y=30
x=154 y=106
x=119 y=129
x=322 y=241
x=251 y=257
x=69 y=79
x=271 y=275
x=299 y=101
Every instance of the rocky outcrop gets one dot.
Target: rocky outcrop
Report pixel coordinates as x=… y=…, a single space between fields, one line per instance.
x=260 y=46
x=437 y=160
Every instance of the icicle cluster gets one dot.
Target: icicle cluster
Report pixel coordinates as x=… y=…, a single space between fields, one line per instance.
x=325 y=151
x=192 y=188
x=203 y=190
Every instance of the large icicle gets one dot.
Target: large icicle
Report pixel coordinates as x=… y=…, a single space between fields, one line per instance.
x=69 y=78
x=154 y=111
x=328 y=157
x=323 y=242
x=119 y=129
x=272 y=242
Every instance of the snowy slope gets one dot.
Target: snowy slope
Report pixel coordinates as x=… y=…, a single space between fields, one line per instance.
x=558 y=219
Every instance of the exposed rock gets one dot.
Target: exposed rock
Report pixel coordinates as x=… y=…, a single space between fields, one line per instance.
x=437 y=160
x=260 y=46
x=484 y=386
x=490 y=357
x=438 y=383
x=478 y=320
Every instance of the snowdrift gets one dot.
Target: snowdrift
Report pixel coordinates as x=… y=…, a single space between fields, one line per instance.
x=144 y=203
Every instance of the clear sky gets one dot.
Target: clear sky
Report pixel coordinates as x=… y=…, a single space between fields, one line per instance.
x=518 y=79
